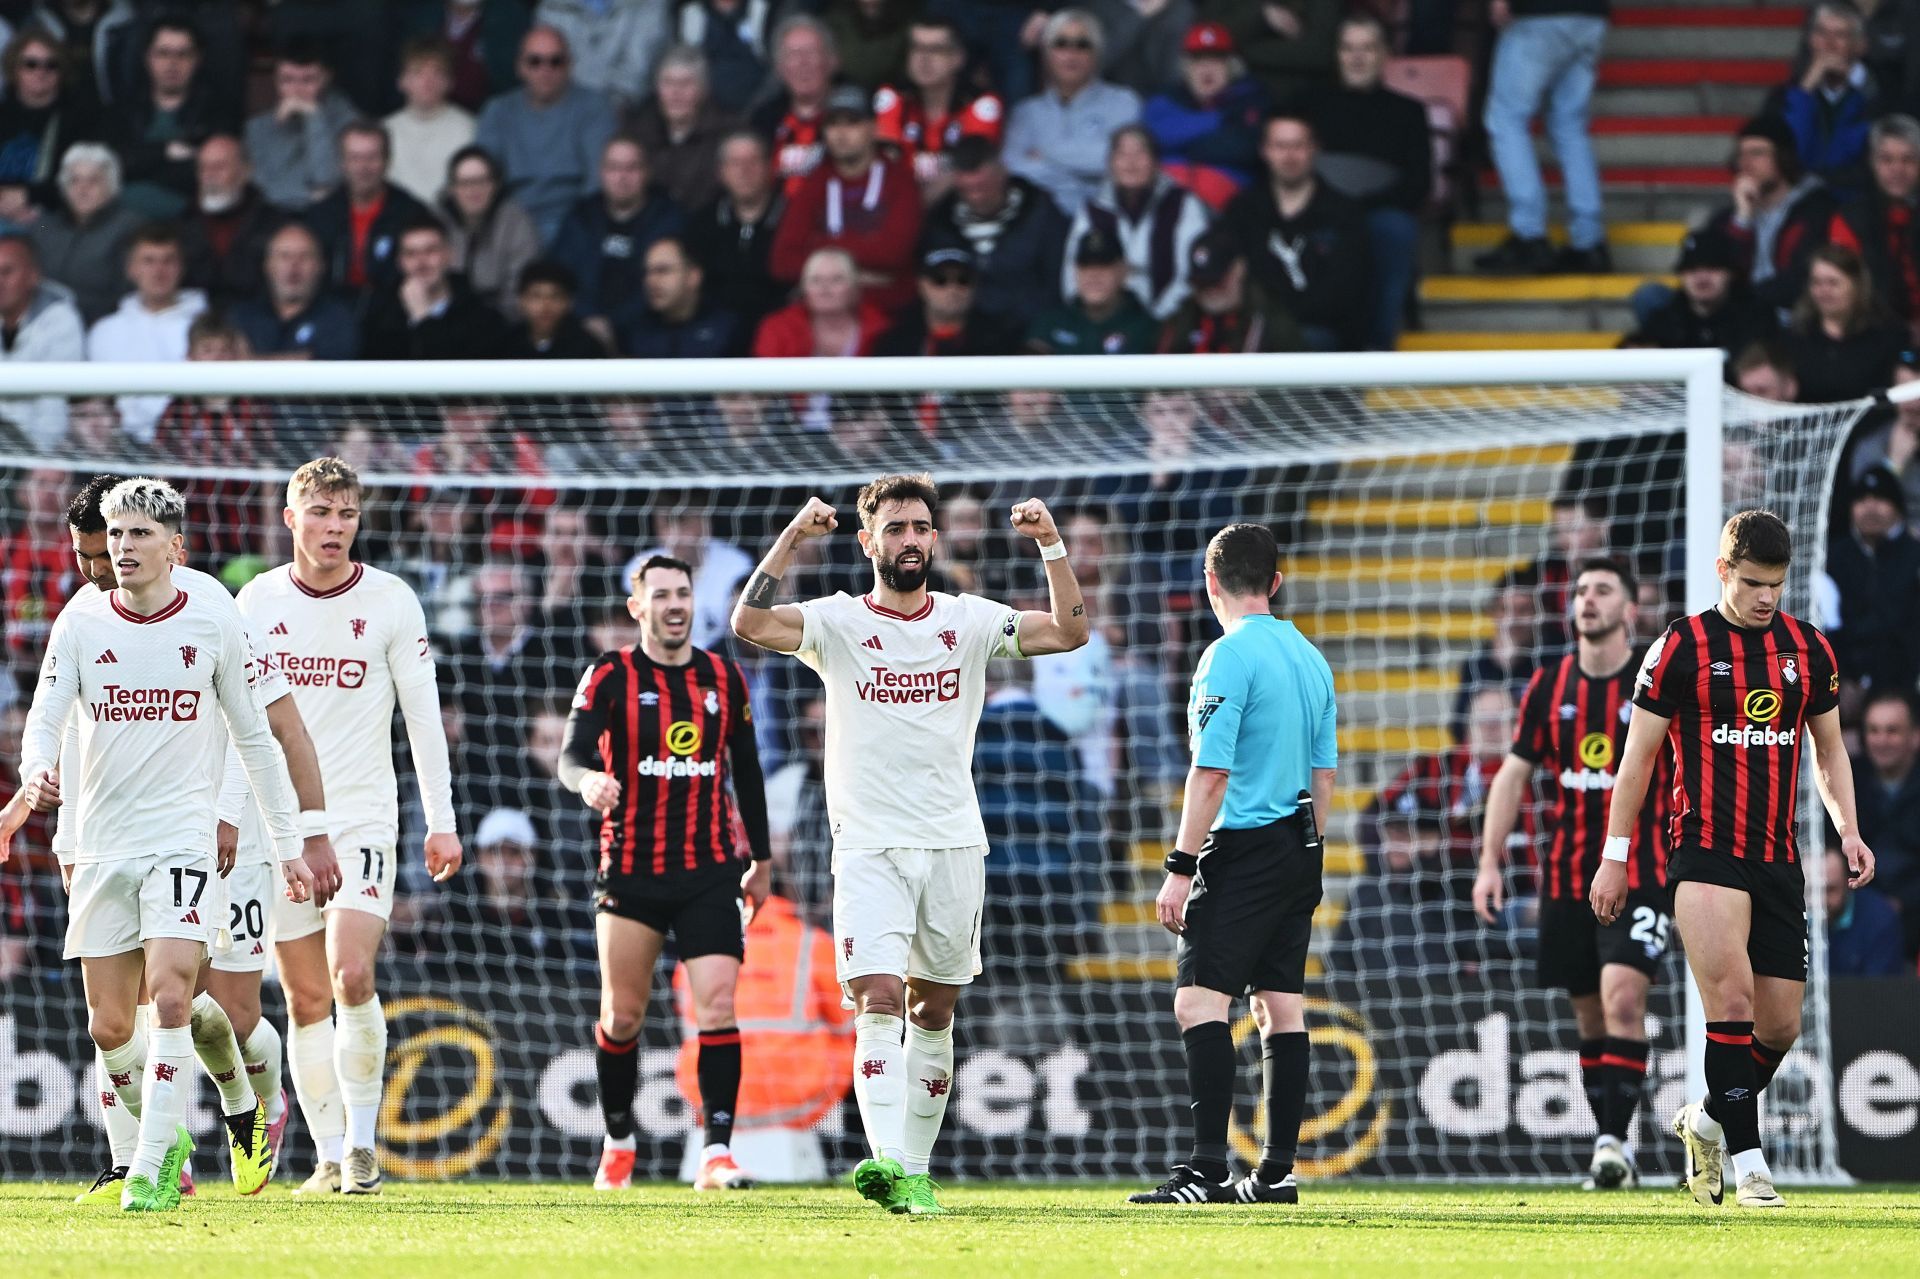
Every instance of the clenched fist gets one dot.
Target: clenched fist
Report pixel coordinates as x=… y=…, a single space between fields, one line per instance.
x=1031 y=518
x=816 y=519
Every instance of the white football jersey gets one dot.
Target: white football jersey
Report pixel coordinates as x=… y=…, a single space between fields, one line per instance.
x=903 y=701
x=349 y=654
x=153 y=694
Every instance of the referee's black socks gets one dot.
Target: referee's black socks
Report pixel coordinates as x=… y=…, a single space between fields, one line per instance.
x=1210 y=1071
x=617 y=1066
x=1283 y=1078
x=1733 y=1085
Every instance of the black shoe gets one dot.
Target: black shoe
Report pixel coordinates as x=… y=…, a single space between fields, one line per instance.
x=1517 y=256
x=1251 y=1190
x=1186 y=1186
x=1594 y=261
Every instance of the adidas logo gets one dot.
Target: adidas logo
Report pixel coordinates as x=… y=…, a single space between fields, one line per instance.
x=191 y=917
x=258 y=949
x=279 y=629
x=371 y=890
x=105 y=658
x=872 y=642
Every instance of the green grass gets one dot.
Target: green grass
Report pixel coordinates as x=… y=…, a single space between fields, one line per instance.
x=472 y=1230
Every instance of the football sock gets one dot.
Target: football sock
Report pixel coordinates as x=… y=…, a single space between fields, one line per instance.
x=719 y=1072
x=262 y=1053
x=163 y=1099
x=1210 y=1068
x=219 y=1053
x=1732 y=1097
x=1284 y=1066
x=1624 y=1070
x=616 y=1064
x=360 y=1061
x=1593 y=1080
x=124 y=1069
x=123 y=1128
x=880 y=1082
x=1748 y=1162
x=929 y=1084
x=310 y=1060
x=1766 y=1061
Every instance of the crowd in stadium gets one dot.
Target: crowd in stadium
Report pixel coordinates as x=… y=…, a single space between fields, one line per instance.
x=591 y=178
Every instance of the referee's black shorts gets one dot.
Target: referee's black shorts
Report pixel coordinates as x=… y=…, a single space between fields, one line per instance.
x=1251 y=912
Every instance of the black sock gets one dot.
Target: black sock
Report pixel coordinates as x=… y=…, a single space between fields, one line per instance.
x=1766 y=1061
x=1624 y=1065
x=1593 y=1079
x=616 y=1063
x=1210 y=1071
x=1284 y=1066
x=719 y=1070
x=1732 y=1097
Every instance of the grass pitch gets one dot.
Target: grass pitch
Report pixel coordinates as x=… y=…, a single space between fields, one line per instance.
x=470 y=1230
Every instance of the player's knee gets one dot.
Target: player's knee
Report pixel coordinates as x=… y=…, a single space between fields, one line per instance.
x=620 y=1024
x=353 y=981
x=109 y=1030
x=308 y=1005
x=933 y=1012
x=1193 y=1006
x=880 y=998
x=1626 y=1013
x=1778 y=1033
x=715 y=1012
x=172 y=1004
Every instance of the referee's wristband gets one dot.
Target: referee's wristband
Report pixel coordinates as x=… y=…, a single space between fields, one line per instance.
x=1179 y=863
x=1616 y=847
x=1054 y=551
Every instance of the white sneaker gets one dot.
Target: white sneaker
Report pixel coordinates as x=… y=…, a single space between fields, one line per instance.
x=1756 y=1191
x=1704 y=1173
x=1609 y=1169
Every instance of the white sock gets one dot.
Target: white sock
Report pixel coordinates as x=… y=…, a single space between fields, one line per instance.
x=929 y=1084
x=122 y=1125
x=1748 y=1162
x=163 y=1100
x=628 y=1142
x=880 y=1082
x=360 y=1061
x=123 y=1069
x=1707 y=1126
x=262 y=1053
x=310 y=1058
x=715 y=1150
x=219 y=1052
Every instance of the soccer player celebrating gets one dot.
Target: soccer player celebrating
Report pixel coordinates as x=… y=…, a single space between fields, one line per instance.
x=352 y=641
x=645 y=739
x=1736 y=689
x=905 y=675
x=1573 y=721
x=148 y=665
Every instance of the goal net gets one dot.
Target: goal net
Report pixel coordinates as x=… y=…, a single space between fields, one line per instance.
x=1428 y=509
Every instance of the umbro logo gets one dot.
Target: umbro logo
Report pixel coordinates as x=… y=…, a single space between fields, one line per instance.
x=105 y=659
x=649 y=699
x=872 y=642
x=1568 y=710
x=371 y=890
x=1721 y=668
x=280 y=628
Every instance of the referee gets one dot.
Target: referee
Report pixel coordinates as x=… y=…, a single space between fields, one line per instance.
x=1261 y=721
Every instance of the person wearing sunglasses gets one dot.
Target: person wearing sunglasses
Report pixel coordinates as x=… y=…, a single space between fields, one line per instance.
x=39 y=119
x=1058 y=138
x=549 y=133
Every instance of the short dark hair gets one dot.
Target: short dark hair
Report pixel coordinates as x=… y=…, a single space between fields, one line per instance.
x=657 y=561
x=1244 y=558
x=1629 y=582
x=896 y=488
x=928 y=21
x=165 y=234
x=425 y=222
x=427 y=49
x=176 y=21
x=83 y=512
x=1293 y=115
x=1894 y=696
x=300 y=52
x=210 y=324
x=1756 y=537
x=548 y=271
x=365 y=127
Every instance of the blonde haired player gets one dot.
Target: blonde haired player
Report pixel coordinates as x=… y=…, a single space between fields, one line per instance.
x=352 y=641
x=905 y=672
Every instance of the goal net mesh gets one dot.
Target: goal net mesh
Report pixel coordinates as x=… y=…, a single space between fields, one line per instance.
x=1426 y=537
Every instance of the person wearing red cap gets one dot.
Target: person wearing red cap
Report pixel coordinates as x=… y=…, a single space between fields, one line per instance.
x=1208 y=127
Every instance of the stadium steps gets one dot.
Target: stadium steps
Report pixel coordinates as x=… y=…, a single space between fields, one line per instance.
x=1552 y=303
x=1646 y=247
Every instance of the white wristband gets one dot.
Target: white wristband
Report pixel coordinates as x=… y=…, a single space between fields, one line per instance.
x=1615 y=849
x=1054 y=551
x=313 y=822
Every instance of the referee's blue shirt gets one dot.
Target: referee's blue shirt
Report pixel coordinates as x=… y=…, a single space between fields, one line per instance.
x=1262 y=709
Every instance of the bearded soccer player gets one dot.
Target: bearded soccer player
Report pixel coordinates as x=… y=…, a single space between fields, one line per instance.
x=152 y=669
x=1737 y=690
x=905 y=674
x=645 y=741
x=352 y=642
x=1573 y=722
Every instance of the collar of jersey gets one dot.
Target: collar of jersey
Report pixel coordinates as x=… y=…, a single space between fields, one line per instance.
x=352 y=581
x=884 y=611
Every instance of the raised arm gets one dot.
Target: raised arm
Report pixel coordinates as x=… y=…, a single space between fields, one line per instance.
x=1064 y=627
x=1834 y=776
x=756 y=618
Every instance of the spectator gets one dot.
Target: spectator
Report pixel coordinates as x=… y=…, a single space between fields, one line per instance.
x=38 y=324
x=549 y=134
x=1841 y=340
x=1014 y=230
x=548 y=328
x=1546 y=55
x=295 y=146
x=151 y=324
x=1289 y=45
x=1152 y=220
x=1304 y=240
x=89 y=36
x=1143 y=41
x=1881 y=226
x=672 y=319
x=492 y=235
x=732 y=236
x=499 y=667
x=1227 y=312
x=805 y=64
x=934 y=108
x=1875 y=565
x=428 y=313
x=157 y=134
x=1058 y=138
x=41 y=115
x=1765 y=370
x=1508 y=660
x=224 y=236
x=800 y=832
x=681 y=128
x=219 y=430
x=1429 y=816
x=1863 y=928
x=1713 y=306
x=360 y=222
x=93 y=430
x=430 y=129
x=1374 y=147
x=296 y=319
x=83 y=242
x=354 y=37
x=860 y=200
x=1833 y=98
x=482 y=35
x=947 y=322
x=1896 y=445
x=604 y=240
x=684 y=531
x=1207 y=127
x=1001 y=36
x=1886 y=783
x=614 y=42
x=732 y=36
x=1778 y=215
x=1103 y=316
x=870 y=37
x=831 y=318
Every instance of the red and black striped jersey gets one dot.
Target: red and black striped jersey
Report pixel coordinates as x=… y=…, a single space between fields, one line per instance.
x=1575 y=726
x=1739 y=701
x=673 y=737
x=902 y=119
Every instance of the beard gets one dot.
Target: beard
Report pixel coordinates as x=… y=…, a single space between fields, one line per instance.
x=1598 y=630
x=895 y=578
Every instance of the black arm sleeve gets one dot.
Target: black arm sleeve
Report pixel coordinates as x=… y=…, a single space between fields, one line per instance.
x=749 y=783
x=586 y=721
